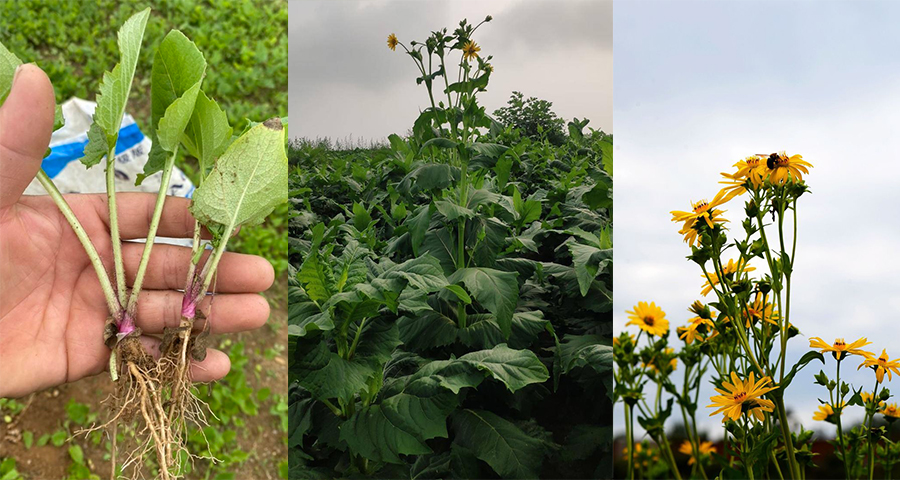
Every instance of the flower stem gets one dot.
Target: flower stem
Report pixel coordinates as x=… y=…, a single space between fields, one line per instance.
x=116 y=240
x=840 y=430
x=629 y=435
x=112 y=302
x=151 y=234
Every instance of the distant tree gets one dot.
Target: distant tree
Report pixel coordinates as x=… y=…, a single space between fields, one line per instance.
x=533 y=117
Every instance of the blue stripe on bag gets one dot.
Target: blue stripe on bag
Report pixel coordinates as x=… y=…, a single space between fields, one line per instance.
x=61 y=155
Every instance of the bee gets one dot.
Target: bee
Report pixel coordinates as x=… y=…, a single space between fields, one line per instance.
x=771 y=159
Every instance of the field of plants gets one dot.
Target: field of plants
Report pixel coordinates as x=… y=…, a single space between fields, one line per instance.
x=451 y=291
x=737 y=339
x=245 y=47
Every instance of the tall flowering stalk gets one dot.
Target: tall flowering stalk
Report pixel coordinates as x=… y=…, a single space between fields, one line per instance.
x=740 y=337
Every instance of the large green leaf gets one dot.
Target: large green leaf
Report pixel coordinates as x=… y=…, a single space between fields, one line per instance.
x=589 y=262
x=326 y=375
x=423 y=273
x=114 y=90
x=496 y=290
x=375 y=436
x=316 y=278
x=428 y=330
x=515 y=368
x=499 y=443
x=248 y=181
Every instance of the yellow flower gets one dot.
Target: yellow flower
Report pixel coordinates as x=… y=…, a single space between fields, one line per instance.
x=867 y=398
x=488 y=68
x=673 y=361
x=780 y=166
x=470 y=50
x=760 y=309
x=881 y=364
x=699 y=210
x=891 y=412
x=705 y=449
x=392 y=42
x=729 y=268
x=752 y=168
x=825 y=413
x=649 y=318
x=692 y=331
x=840 y=348
x=741 y=396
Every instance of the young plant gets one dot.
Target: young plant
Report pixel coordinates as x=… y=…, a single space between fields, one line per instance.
x=241 y=181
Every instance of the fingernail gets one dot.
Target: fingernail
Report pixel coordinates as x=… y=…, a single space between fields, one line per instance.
x=16 y=75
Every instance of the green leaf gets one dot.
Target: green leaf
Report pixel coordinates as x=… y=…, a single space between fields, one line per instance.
x=172 y=124
x=115 y=87
x=8 y=64
x=421 y=408
x=804 y=360
x=208 y=132
x=496 y=290
x=97 y=146
x=499 y=443
x=427 y=330
x=316 y=279
x=515 y=368
x=418 y=224
x=438 y=142
x=177 y=66
x=589 y=262
x=326 y=375
x=248 y=182
x=77 y=454
x=373 y=435
x=178 y=69
x=452 y=211
x=606 y=152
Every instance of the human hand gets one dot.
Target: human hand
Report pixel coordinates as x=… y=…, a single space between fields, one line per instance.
x=52 y=310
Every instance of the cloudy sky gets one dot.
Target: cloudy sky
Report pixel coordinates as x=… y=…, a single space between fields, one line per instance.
x=700 y=85
x=344 y=81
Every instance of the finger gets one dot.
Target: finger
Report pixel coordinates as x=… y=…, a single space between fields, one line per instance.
x=168 y=267
x=230 y=313
x=215 y=366
x=26 y=122
x=175 y=221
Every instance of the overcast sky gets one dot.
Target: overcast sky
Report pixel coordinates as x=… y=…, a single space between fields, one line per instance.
x=700 y=85
x=345 y=81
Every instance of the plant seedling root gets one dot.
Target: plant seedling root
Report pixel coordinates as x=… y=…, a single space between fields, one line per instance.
x=155 y=397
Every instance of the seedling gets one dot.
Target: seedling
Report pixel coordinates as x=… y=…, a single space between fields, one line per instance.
x=241 y=181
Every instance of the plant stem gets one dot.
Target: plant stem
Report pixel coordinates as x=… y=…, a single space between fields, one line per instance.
x=151 y=234
x=356 y=339
x=788 y=441
x=112 y=302
x=629 y=435
x=116 y=240
x=840 y=430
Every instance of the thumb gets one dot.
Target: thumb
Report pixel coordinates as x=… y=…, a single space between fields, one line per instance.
x=26 y=122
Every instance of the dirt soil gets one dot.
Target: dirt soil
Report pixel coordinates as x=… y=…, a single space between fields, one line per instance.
x=45 y=412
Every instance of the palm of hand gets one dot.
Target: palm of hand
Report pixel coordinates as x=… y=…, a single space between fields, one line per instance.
x=53 y=310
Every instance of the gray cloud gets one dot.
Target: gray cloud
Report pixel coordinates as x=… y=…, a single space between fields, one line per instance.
x=345 y=81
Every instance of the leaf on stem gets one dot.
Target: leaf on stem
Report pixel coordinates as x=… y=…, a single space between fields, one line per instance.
x=114 y=90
